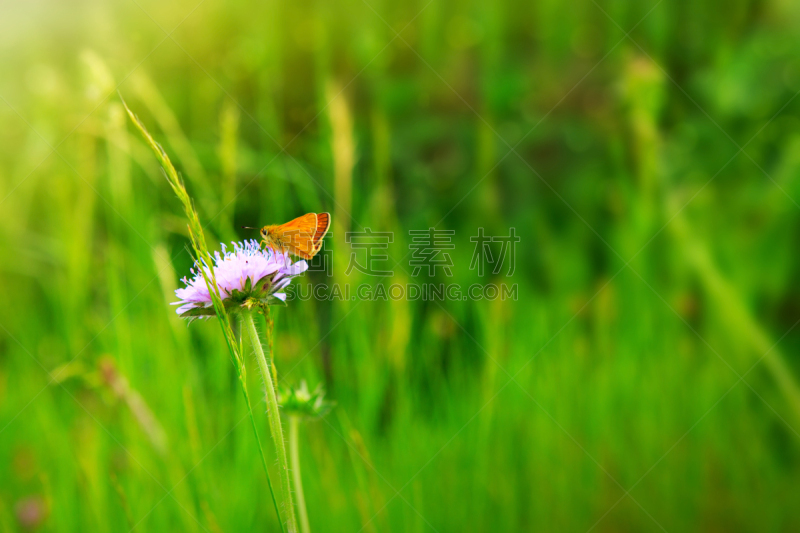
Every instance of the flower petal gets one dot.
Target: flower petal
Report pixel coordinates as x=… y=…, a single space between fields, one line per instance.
x=239 y=272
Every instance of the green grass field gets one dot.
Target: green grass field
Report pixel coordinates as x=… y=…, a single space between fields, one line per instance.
x=646 y=154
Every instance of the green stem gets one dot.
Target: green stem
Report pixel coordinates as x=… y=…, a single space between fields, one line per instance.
x=294 y=455
x=261 y=450
x=274 y=419
x=243 y=381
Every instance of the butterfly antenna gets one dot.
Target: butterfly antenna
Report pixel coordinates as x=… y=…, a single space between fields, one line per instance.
x=248 y=227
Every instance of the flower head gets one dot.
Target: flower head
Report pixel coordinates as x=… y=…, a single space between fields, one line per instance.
x=246 y=276
x=299 y=401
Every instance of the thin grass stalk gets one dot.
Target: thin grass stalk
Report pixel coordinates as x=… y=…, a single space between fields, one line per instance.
x=270 y=328
x=274 y=417
x=294 y=457
x=203 y=257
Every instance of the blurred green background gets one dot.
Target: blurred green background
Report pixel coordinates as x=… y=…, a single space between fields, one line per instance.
x=646 y=153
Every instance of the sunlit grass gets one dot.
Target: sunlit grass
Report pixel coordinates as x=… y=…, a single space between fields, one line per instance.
x=657 y=266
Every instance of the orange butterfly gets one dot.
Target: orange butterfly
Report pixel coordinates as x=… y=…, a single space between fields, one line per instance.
x=301 y=237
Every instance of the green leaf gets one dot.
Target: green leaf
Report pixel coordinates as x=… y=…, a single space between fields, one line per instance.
x=198 y=312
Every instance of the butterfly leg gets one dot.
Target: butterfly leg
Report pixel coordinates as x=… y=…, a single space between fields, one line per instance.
x=268 y=245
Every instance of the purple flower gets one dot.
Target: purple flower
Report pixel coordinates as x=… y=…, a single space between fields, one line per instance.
x=245 y=275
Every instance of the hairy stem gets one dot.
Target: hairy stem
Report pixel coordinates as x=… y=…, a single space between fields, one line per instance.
x=243 y=382
x=274 y=420
x=294 y=456
x=261 y=450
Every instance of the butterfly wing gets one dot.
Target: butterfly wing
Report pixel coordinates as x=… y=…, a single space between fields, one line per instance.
x=298 y=235
x=323 y=224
